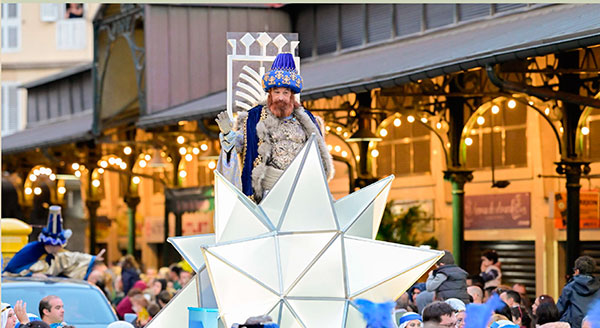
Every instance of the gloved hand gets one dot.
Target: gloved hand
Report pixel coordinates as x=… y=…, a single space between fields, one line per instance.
x=224 y=122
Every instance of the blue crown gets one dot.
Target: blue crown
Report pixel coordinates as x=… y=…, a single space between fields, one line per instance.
x=283 y=73
x=53 y=233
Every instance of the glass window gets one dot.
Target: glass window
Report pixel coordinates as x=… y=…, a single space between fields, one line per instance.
x=507 y=129
x=11 y=27
x=49 y=12
x=405 y=150
x=11 y=118
x=591 y=142
x=71 y=30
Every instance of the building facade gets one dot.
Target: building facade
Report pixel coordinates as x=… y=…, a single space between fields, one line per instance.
x=480 y=111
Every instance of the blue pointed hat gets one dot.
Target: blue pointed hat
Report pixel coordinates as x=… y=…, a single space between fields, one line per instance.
x=53 y=233
x=283 y=73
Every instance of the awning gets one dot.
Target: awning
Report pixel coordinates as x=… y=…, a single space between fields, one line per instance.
x=536 y=32
x=192 y=110
x=67 y=130
x=58 y=76
x=532 y=33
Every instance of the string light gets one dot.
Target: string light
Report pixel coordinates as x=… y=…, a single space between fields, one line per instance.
x=123 y=165
x=438 y=125
x=103 y=164
x=96 y=183
x=100 y=171
x=78 y=174
x=424 y=119
x=32 y=177
x=182 y=174
x=585 y=130
x=495 y=109
x=142 y=163
x=344 y=153
x=37 y=191
x=28 y=191
x=397 y=122
x=212 y=165
x=182 y=151
x=61 y=190
x=338 y=129
x=189 y=157
x=480 y=120
x=330 y=147
x=111 y=161
x=127 y=150
x=52 y=177
x=410 y=118
x=547 y=111
x=512 y=104
x=374 y=153
x=147 y=158
x=337 y=148
x=383 y=132
x=136 y=180
x=468 y=141
x=75 y=166
x=36 y=172
x=204 y=147
x=196 y=150
x=180 y=140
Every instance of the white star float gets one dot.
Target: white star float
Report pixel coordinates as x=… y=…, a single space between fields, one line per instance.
x=300 y=256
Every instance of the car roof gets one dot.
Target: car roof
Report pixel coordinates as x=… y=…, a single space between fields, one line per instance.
x=56 y=281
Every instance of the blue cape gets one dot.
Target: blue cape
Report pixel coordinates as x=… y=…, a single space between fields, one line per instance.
x=26 y=257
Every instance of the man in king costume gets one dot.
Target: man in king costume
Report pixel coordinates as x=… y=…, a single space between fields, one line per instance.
x=269 y=136
x=47 y=257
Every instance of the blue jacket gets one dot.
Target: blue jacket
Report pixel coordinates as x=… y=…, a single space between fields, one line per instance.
x=576 y=297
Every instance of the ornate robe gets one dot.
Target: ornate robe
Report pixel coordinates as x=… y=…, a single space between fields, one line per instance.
x=267 y=145
x=33 y=259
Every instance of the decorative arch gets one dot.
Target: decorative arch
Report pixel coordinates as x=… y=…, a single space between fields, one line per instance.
x=502 y=104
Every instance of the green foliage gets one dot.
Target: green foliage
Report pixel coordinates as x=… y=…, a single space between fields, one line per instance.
x=404 y=228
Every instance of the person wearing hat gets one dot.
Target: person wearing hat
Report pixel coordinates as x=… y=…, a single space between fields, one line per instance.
x=271 y=134
x=8 y=318
x=410 y=320
x=47 y=256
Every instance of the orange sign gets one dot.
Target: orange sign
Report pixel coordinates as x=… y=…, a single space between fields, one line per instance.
x=589 y=210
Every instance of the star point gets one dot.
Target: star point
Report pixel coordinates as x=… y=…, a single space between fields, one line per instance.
x=300 y=256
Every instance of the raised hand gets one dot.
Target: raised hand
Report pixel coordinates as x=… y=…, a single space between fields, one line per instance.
x=224 y=122
x=21 y=312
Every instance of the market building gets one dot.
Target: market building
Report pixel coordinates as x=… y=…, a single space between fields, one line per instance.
x=480 y=110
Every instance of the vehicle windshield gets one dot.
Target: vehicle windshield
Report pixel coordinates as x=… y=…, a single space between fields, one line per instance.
x=82 y=305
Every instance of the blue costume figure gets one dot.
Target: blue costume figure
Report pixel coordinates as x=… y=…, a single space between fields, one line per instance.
x=271 y=134
x=47 y=256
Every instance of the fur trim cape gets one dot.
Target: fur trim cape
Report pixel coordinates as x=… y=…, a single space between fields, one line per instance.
x=255 y=159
